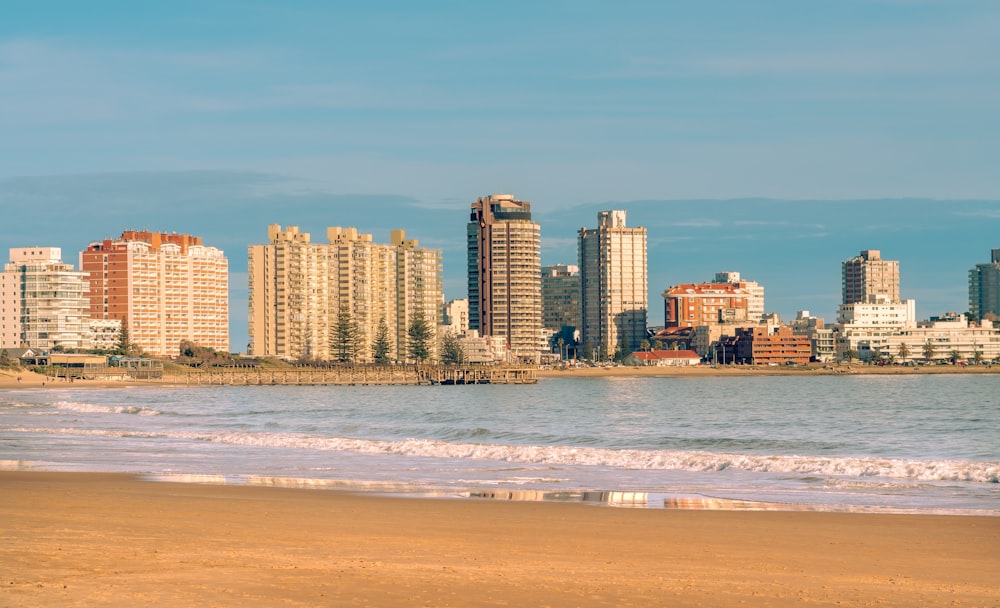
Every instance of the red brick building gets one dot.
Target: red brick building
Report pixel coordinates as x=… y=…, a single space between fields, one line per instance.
x=760 y=346
x=693 y=304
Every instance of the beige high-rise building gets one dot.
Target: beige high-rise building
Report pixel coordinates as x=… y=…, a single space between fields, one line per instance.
x=42 y=301
x=418 y=288
x=298 y=290
x=504 y=272
x=868 y=279
x=613 y=303
x=165 y=288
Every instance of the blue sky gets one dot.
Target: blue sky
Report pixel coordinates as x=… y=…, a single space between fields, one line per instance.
x=218 y=118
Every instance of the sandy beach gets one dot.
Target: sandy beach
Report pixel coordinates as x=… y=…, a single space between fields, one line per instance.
x=75 y=539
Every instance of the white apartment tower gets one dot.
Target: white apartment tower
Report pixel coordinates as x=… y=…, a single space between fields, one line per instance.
x=43 y=301
x=613 y=300
x=504 y=274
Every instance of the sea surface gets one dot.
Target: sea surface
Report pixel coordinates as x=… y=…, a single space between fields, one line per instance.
x=909 y=443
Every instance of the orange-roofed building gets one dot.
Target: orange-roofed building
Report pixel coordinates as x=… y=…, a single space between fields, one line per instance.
x=694 y=304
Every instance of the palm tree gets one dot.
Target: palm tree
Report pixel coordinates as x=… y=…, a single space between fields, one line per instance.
x=850 y=354
x=928 y=351
x=954 y=356
x=977 y=356
x=904 y=351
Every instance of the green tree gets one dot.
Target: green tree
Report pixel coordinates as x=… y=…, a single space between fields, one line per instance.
x=977 y=356
x=954 y=356
x=419 y=336
x=380 y=347
x=644 y=345
x=451 y=349
x=561 y=342
x=904 y=351
x=928 y=351
x=125 y=345
x=344 y=343
x=850 y=355
x=657 y=344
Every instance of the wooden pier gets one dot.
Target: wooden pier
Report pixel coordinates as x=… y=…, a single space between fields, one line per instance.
x=351 y=375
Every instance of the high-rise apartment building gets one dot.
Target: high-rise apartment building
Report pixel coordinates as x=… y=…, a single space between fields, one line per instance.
x=984 y=288
x=755 y=303
x=164 y=288
x=613 y=300
x=42 y=301
x=298 y=291
x=868 y=279
x=560 y=296
x=504 y=272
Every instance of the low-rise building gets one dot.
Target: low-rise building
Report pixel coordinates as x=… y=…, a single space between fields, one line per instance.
x=663 y=358
x=762 y=346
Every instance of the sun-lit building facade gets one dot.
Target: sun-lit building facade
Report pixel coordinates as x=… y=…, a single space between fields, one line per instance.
x=42 y=301
x=504 y=274
x=613 y=300
x=299 y=291
x=163 y=288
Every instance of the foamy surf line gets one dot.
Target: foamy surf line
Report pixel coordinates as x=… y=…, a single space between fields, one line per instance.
x=672 y=460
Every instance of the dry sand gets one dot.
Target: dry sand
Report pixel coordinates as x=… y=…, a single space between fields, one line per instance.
x=74 y=539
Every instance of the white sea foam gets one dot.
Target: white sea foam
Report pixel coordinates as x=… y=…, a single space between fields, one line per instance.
x=90 y=408
x=682 y=460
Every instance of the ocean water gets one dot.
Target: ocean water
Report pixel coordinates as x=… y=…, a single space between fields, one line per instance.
x=913 y=443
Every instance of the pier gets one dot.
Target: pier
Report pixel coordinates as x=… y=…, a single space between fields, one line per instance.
x=351 y=375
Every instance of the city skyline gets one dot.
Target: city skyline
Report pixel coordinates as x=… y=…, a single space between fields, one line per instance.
x=935 y=244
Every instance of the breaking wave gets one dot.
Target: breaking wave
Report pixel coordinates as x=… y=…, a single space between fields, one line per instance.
x=90 y=408
x=676 y=460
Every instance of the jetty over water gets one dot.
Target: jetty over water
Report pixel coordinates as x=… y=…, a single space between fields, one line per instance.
x=348 y=375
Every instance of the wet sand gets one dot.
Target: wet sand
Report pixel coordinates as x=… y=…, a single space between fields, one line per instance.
x=80 y=539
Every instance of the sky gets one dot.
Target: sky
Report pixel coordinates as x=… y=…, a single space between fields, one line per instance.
x=775 y=138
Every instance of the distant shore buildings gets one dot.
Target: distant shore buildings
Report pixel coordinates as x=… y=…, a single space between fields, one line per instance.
x=351 y=299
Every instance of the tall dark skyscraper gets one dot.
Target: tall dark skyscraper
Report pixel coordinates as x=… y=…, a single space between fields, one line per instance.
x=504 y=266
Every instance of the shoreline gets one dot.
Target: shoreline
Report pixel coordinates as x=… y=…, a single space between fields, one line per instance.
x=114 y=539
x=9 y=379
